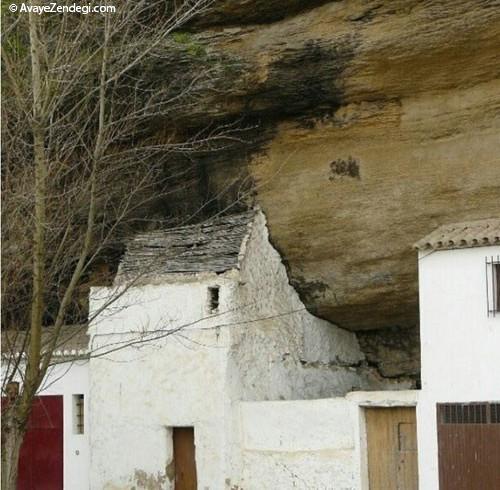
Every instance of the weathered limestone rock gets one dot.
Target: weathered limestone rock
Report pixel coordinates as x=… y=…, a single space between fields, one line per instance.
x=394 y=352
x=347 y=198
x=373 y=122
x=230 y=12
x=381 y=121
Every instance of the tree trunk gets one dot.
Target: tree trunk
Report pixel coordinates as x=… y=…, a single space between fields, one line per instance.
x=15 y=416
x=37 y=303
x=12 y=439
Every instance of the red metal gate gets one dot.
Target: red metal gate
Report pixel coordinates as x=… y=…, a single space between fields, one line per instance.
x=41 y=459
x=469 y=446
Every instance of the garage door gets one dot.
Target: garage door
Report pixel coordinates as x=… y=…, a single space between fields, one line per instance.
x=469 y=445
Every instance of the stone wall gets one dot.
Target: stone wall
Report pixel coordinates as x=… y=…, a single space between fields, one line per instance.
x=289 y=353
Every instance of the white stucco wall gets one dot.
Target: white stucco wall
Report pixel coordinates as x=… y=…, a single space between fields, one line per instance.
x=288 y=353
x=299 y=444
x=68 y=379
x=460 y=344
x=310 y=444
x=261 y=345
x=139 y=393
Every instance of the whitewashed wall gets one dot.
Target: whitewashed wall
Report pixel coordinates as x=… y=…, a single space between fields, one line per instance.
x=139 y=393
x=460 y=344
x=262 y=345
x=289 y=353
x=68 y=379
x=310 y=444
x=299 y=444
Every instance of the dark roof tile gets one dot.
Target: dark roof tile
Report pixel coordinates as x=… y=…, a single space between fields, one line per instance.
x=212 y=246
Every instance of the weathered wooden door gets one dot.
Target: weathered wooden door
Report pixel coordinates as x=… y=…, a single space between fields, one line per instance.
x=469 y=446
x=184 y=458
x=392 y=448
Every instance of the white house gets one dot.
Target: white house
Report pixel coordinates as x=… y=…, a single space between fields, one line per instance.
x=203 y=320
x=458 y=410
x=56 y=448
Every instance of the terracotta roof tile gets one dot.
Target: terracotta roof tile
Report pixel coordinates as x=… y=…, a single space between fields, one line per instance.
x=468 y=234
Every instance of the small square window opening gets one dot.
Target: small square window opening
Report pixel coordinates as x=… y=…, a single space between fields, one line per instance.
x=213 y=299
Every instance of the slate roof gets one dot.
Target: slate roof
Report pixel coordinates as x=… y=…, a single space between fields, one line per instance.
x=468 y=234
x=212 y=246
x=73 y=341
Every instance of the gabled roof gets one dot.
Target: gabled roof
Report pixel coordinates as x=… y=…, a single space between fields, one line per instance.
x=72 y=342
x=468 y=234
x=212 y=246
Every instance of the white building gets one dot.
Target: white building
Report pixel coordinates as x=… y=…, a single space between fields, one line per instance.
x=206 y=320
x=57 y=452
x=205 y=369
x=458 y=410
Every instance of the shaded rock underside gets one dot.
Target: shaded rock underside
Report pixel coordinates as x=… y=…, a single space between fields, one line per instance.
x=371 y=122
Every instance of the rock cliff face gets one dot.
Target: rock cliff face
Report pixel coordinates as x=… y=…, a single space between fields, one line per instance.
x=374 y=122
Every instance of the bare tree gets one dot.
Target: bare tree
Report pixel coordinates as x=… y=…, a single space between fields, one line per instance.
x=80 y=164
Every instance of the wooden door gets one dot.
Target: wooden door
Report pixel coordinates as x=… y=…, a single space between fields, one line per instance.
x=469 y=446
x=392 y=448
x=184 y=458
